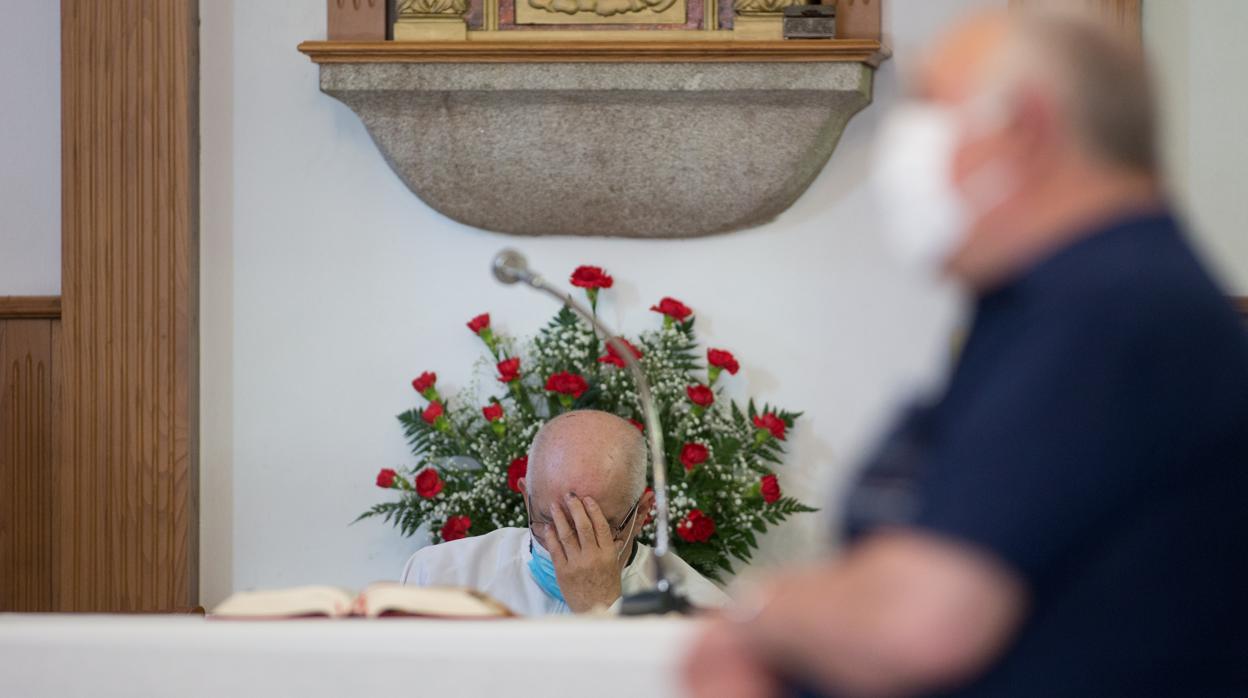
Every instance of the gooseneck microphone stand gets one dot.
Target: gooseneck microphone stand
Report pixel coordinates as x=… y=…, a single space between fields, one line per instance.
x=510 y=267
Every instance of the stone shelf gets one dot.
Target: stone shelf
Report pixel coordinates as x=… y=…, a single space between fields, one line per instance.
x=622 y=138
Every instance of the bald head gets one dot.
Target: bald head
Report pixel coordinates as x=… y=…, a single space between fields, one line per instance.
x=588 y=453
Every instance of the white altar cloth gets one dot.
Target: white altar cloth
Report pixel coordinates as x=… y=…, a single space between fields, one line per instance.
x=188 y=656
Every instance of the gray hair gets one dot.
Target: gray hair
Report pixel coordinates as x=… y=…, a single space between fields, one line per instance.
x=638 y=463
x=1102 y=81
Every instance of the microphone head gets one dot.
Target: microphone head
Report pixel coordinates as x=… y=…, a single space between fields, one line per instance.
x=509 y=267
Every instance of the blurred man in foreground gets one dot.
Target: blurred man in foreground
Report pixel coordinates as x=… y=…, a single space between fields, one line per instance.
x=1068 y=519
x=587 y=500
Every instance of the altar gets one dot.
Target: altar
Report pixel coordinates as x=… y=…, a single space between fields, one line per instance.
x=190 y=656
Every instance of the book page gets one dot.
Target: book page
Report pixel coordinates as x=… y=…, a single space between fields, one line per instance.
x=287 y=603
x=440 y=602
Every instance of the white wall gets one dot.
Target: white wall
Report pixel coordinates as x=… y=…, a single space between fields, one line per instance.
x=30 y=149
x=327 y=286
x=1200 y=57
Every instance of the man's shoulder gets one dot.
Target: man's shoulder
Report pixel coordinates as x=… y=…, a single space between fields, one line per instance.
x=457 y=557
x=1139 y=278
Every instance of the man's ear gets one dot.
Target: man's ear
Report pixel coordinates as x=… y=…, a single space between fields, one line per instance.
x=524 y=490
x=1036 y=126
x=643 y=509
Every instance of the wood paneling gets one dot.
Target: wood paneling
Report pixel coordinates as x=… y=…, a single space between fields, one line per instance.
x=1125 y=15
x=46 y=307
x=125 y=520
x=27 y=390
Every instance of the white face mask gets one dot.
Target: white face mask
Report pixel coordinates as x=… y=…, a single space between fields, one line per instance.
x=925 y=218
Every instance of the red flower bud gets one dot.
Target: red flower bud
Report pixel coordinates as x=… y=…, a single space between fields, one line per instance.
x=692 y=455
x=428 y=483
x=770 y=488
x=509 y=370
x=700 y=395
x=723 y=359
x=566 y=383
x=672 y=308
x=613 y=357
x=492 y=412
x=432 y=412
x=456 y=527
x=424 y=381
x=479 y=323
x=386 y=477
x=591 y=277
x=640 y=427
x=518 y=469
x=696 y=527
x=771 y=423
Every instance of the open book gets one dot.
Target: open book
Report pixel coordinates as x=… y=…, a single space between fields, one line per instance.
x=381 y=599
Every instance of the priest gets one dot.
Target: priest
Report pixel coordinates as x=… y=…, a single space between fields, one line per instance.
x=586 y=496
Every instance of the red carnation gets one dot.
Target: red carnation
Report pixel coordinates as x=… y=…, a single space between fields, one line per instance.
x=424 y=381
x=386 y=477
x=640 y=427
x=591 y=277
x=518 y=469
x=672 y=308
x=493 y=412
x=723 y=360
x=692 y=455
x=696 y=527
x=613 y=357
x=456 y=527
x=771 y=423
x=566 y=383
x=428 y=483
x=432 y=412
x=479 y=323
x=700 y=395
x=770 y=488
x=509 y=370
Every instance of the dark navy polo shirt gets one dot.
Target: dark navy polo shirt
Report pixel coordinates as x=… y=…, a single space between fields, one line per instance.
x=1094 y=439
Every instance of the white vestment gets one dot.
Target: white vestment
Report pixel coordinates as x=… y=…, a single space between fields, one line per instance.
x=497 y=563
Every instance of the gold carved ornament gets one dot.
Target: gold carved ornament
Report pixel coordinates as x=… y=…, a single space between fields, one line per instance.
x=763 y=7
x=431 y=8
x=603 y=8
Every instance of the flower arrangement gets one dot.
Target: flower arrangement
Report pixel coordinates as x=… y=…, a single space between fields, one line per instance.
x=722 y=488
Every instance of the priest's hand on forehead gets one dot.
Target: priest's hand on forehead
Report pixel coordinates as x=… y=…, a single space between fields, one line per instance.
x=584 y=491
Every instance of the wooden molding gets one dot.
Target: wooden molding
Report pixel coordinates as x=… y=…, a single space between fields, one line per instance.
x=510 y=51
x=125 y=516
x=45 y=307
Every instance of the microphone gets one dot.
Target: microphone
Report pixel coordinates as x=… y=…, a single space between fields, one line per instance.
x=510 y=267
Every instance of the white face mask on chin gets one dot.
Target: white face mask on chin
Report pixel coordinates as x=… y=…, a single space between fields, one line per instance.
x=925 y=219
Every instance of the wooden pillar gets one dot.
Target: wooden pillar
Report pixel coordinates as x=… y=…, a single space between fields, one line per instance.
x=125 y=512
x=1124 y=15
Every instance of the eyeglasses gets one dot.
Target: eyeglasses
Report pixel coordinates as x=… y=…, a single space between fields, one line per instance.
x=617 y=532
